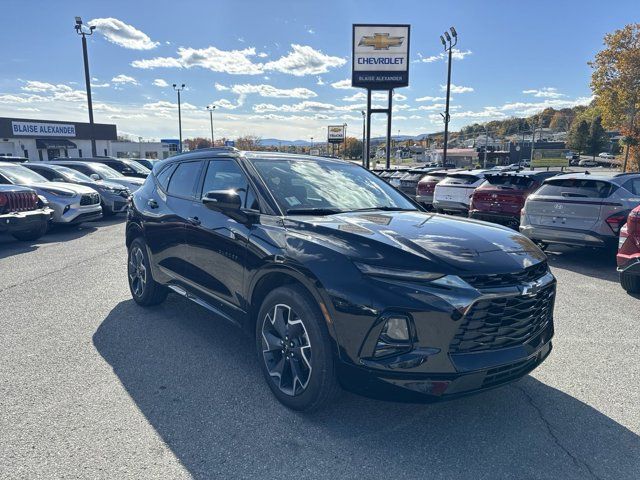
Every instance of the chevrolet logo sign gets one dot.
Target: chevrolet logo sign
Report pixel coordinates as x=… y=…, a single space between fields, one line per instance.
x=381 y=41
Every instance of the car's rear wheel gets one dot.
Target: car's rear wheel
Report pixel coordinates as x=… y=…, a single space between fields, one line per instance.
x=294 y=349
x=33 y=233
x=631 y=283
x=144 y=289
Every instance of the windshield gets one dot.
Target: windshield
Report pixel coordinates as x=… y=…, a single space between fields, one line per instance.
x=72 y=174
x=300 y=185
x=577 y=187
x=21 y=175
x=105 y=172
x=135 y=166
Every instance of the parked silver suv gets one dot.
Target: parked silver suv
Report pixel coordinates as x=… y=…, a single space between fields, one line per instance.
x=580 y=209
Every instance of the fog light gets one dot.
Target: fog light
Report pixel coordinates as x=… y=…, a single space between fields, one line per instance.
x=66 y=208
x=396 y=329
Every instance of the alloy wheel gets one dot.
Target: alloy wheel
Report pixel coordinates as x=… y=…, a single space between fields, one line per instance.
x=137 y=271
x=286 y=349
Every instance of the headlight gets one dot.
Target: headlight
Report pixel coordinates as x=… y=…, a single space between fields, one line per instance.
x=59 y=193
x=398 y=274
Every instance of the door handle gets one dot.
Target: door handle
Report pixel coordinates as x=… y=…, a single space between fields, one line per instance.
x=194 y=221
x=152 y=204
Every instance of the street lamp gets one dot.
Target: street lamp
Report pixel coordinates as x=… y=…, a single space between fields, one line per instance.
x=211 y=108
x=448 y=45
x=87 y=30
x=311 y=146
x=344 y=141
x=179 y=89
x=364 y=115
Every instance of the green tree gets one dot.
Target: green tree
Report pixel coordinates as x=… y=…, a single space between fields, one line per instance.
x=578 y=136
x=598 y=138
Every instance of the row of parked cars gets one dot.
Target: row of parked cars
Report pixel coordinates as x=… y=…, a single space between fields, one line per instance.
x=34 y=195
x=577 y=209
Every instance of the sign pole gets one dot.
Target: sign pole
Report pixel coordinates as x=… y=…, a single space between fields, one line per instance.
x=389 y=130
x=368 y=127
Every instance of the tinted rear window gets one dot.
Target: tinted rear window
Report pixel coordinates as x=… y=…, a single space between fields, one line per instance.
x=459 y=180
x=434 y=178
x=510 y=181
x=183 y=180
x=577 y=187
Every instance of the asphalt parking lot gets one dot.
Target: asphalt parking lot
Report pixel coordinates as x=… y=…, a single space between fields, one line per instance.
x=93 y=386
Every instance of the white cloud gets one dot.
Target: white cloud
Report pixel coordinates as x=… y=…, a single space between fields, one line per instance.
x=227 y=105
x=343 y=84
x=235 y=62
x=545 y=92
x=398 y=97
x=320 y=81
x=429 y=99
x=122 y=34
x=415 y=117
x=100 y=85
x=530 y=108
x=55 y=92
x=220 y=87
x=271 y=91
x=456 y=88
x=306 y=106
x=124 y=80
x=36 y=86
x=435 y=106
x=8 y=98
x=159 y=82
x=311 y=31
x=455 y=54
x=304 y=60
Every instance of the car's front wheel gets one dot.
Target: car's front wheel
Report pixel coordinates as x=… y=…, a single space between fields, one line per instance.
x=32 y=234
x=631 y=283
x=144 y=289
x=294 y=349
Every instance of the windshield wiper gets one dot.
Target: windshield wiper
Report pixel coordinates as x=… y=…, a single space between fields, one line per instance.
x=313 y=211
x=384 y=208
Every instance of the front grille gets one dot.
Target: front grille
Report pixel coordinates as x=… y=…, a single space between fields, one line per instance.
x=20 y=201
x=506 y=373
x=504 y=322
x=89 y=199
x=498 y=280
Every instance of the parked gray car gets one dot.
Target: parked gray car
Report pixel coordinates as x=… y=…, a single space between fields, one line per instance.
x=114 y=196
x=98 y=171
x=580 y=209
x=71 y=203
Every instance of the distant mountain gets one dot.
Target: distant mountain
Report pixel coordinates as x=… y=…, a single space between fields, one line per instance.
x=274 y=142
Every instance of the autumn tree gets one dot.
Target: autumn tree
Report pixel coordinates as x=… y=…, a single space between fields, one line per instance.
x=615 y=82
x=352 y=148
x=578 y=136
x=248 y=142
x=598 y=138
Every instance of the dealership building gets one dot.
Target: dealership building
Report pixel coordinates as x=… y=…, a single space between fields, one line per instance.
x=47 y=139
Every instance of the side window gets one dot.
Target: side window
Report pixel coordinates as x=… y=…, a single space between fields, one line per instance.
x=163 y=177
x=633 y=186
x=183 y=181
x=225 y=174
x=81 y=169
x=46 y=173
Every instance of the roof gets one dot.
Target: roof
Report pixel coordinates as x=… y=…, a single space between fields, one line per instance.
x=606 y=177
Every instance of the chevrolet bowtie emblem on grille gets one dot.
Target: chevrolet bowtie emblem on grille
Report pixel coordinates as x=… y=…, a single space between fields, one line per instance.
x=381 y=41
x=531 y=289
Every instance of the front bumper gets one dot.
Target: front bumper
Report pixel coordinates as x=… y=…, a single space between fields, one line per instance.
x=581 y=238
x=75 y=214
x=24 y=221
x=464 y=339
x=114 y=203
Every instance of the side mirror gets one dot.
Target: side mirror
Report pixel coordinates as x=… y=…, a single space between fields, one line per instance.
x=94 y=176
x=226 y=201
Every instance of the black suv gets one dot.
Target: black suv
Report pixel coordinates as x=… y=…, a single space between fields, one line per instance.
x=127 y=167
x=339 y=277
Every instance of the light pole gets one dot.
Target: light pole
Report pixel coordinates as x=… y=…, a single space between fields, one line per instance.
x=310 y=148
x=448 y=45
x=344 y=141
x=486 y=145
x=211 y=108
x=179 y=89
x=363 y=135
x=87 y=79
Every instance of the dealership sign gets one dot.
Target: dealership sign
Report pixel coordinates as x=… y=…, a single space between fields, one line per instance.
x=335 y=134
x=380 y=56
x=37 y=129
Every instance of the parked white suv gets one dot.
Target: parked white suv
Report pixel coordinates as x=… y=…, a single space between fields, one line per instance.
x=453 y=193
x=606 y=155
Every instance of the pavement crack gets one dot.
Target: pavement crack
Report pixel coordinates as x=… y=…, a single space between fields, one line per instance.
x=578 y=462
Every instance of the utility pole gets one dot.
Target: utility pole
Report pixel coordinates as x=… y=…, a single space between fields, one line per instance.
x=179 y=89
x=448 y=46
x=363 y=136
x=486 y=145
x=631 y=122
x=87 y=79
x=211 y=108
x=533 y=141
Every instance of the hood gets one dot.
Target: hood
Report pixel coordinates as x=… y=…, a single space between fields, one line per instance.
x=421 y=240
x=134 y=180
x=108 y=184
x=73 y=187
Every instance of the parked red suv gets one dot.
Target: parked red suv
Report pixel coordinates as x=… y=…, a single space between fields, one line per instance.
x=501 y=197
x=427 y=185
x=628 y=258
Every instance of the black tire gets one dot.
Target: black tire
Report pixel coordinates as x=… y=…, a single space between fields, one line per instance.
x=311 y=360
x=144 y=289
x=32 y=234
x=631 y=283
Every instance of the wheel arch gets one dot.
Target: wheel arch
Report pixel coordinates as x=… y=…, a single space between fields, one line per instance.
x=134 y=230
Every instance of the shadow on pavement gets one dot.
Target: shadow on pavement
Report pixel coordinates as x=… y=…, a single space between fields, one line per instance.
x=591 y=262
x=10 y=246
x=197 y=382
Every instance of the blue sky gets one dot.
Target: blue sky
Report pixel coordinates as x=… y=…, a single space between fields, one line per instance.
x=274 y=68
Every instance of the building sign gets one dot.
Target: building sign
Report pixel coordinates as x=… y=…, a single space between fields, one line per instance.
x=380 y=56
x=335 y=134
x=36 y=129
x=229 y=143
